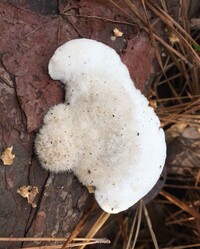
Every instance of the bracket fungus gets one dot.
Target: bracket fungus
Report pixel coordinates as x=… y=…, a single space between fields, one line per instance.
x=105 y=132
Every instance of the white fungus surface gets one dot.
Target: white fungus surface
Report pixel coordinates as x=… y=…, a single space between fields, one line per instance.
x=105 y=132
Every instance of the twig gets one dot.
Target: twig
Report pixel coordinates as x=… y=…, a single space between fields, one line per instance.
x=150 y=226
x=182 y=247
x=138 y=224
x=180 y=204
x=79 y=227
x=96 y=227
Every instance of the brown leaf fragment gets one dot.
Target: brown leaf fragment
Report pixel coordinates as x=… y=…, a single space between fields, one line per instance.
x=91 y=189
x=117 y=32
x=7 y=156
x=30 y=193
x=173 y=38
x=153 y=103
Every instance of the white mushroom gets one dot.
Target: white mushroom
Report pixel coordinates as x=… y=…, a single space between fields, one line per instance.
x=105 y=132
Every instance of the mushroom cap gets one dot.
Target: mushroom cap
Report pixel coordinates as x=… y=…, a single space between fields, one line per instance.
x=80 y=57
x=54 y=144
x=109 y=133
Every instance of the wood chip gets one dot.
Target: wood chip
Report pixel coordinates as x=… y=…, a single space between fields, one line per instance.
x=7 y=156
x=30 y=193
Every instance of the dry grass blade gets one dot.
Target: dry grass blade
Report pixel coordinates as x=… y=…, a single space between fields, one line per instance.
x=121 y=9
x=123 y=224
x=181 y=204
x=181 y=98
x=182 y=55
x=77 y=242
x=46 y=247
x=170 y=22
x=33 y=239
x=155 y=35
x=180 y=221
x=157 y=53
x=171 y=49
x=181 y=186
x=50 y=239
x=132 y=229
x=178 y=30
x=97 y=226
x=139 y=218
x=67 y=246
x=184 y=10
x=184 y=112
x=184 y=42
x=182 y=247
x=100 y=18
x=150 y=226
x=164 y=5
x=79 y=227
x=144 y=25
